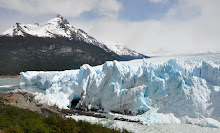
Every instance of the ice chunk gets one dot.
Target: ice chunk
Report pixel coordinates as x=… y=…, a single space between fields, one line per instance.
x=182 y=86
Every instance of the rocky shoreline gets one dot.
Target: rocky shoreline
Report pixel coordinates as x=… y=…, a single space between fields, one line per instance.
x=26 y=100
x=9 y=76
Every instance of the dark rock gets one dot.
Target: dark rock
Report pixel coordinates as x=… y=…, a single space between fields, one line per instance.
x=79 y=112
x=128 y=120
x=48 y=111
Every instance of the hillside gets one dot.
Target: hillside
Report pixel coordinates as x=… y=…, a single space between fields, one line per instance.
x=53 y=46
x=52 y=54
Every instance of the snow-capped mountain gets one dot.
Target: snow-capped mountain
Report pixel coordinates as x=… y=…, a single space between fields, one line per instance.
x=60 y=27
x=56 y=27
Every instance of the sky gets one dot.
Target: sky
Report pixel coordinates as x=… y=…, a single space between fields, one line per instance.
x=152 y=27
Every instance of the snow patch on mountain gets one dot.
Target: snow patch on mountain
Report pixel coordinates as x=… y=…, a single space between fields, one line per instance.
x=56 y=27
x=155 y=90
x=60 y=27
x=123 y=50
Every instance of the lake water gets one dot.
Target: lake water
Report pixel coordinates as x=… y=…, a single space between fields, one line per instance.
x=9 y=84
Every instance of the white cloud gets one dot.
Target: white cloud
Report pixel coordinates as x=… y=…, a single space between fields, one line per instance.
x=190 y=27
x=71 y=8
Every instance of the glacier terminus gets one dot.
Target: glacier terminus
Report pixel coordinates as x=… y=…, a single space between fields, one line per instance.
x=181 y=89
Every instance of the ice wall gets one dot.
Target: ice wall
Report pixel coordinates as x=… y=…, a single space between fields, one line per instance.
x=186 y=87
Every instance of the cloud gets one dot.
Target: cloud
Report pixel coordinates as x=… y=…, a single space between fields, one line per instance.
x=70 y=8
x=158 y=1
x=189 y=27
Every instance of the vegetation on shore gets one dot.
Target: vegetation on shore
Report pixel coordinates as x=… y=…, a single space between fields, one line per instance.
x=16 y=120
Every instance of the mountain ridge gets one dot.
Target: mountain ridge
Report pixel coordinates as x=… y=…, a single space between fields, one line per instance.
x=60 y=27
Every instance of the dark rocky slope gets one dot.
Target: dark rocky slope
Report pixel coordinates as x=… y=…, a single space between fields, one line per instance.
x=48 y=54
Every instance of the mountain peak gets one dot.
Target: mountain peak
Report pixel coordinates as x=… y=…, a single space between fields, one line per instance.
x=58 y=16
x=58 y=20
x=60 y=27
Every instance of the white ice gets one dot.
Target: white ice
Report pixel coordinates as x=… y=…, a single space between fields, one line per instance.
x=156 y=90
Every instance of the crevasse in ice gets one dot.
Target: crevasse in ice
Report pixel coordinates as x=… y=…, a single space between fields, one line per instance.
x=187 y=87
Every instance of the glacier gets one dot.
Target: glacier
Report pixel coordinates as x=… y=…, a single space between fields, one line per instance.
x=181 y=89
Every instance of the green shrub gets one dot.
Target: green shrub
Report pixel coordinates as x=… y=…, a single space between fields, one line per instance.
x=16 y=120
x=12 y=129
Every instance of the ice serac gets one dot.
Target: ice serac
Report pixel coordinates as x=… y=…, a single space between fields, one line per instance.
x=156 y=90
